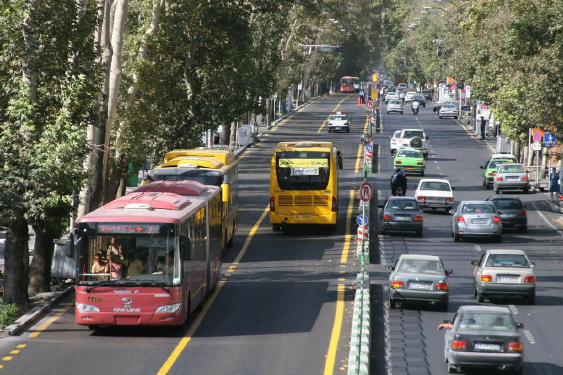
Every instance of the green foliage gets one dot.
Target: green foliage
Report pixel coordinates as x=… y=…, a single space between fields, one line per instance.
x=8 y=314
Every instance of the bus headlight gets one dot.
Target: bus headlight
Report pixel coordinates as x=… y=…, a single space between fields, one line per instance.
x=82 y=307
x=168 y=308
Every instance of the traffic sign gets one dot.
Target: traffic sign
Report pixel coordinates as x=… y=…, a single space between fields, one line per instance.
x=549 y=140
x=369 y=147
x=536 y=136
x=362 y=220
x=366 y=191
x=373 y=120
x=537 y=146
x=370 y=103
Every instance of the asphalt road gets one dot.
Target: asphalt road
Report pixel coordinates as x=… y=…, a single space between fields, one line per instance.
x=284 y=305
x=406 y=341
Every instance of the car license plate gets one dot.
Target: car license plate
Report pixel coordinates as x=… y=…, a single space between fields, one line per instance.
x=485 y=346
x=302 y=217
x=402 y=218
x=508 y=279
x=478 y=221
x=512 y=177
x=508 y=215
x=434 y=204
x=419 y=286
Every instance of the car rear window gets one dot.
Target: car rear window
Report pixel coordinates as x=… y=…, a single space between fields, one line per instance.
x=512 y=169
x=338 y=118
x=508 y=204
x=449 y=106
x=413 y=133
x=403 y=204
x=507 y=260
x=439 y=186
x=432 y=267
x=495 y=163
x=486 y=321
x=410 y=154
x=478 y=208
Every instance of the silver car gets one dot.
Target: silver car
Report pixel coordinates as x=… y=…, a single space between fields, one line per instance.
x=395 y=105
x=504 y=273
x=483 y=336
x=419 y=278
x=476 y=219
x=448 y=110
x=511 y=177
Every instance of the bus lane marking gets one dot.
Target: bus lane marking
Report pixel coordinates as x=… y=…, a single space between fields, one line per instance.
x=335 y=336
x=334 y=110
x=195 y=325
x=51 y=320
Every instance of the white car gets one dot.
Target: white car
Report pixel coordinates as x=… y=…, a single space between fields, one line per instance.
x=395 y=105
x=448 y=110
x=503 y=157
x=394 y=140
x=402 y=86
x=406 y=137
x=409 y=96
x=339 y=121
x=391 y=96
x=434 y=193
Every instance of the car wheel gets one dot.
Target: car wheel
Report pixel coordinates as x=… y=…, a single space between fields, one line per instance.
x=484 y=182
x=456 y=117
x=497 y=190
x=401 y=112
x=392 y=304
x=387 y=112
x=440 y=117
x=457 y=237
x=348 y=131
x=532 y=299
x=489 y=186
x=526 y=191
x=447 y=209
x=480 y=298
x=497 y=238
x=422 y=174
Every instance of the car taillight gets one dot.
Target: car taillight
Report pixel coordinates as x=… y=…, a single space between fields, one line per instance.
x=398 y=284
x=334 y=206
x=393 y=140
x=525 y=178
x=486 y=278
x=386 y=217
x=523 y=213
x=530 y=279
x=499 y=178
x=272 y=204
x=492 y=173
x=514 y=346
x=442 y=286
x=496 y=219
x=418 y=218
x=398 y=162
x=460 y=219
x=420 y=198
x=448 y=199
x=419 y=163
x=458 y=345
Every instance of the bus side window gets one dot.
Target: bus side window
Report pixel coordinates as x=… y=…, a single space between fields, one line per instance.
x=185 y=248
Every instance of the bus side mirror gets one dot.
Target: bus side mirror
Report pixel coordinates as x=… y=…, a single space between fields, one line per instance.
x=185 y=248
x=340 y=158
x=225 y=192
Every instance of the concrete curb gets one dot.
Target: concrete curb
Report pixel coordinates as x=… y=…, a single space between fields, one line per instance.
x=35 y=314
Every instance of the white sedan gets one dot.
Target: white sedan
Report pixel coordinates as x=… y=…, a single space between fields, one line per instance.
x=394 y=141
x=434 y=193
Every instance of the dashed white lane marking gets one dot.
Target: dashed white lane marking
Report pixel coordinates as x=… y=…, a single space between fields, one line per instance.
x=437 y=167
x=435 y=162
x=529 y=336
x=513 y=309
x=477 y=247
x=546 y=220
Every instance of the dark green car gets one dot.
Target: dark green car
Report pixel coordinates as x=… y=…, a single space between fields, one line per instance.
x=490 y=169
x=410 y=160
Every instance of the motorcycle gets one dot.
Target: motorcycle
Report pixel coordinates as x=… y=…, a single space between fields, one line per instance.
x=414 y=111
x=399 y=192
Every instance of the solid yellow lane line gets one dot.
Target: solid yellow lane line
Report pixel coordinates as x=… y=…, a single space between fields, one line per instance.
x=359 y=156
x=188 y=336
x=348 y=237
x=335 y=336
x=51 y=320
x=334 y=110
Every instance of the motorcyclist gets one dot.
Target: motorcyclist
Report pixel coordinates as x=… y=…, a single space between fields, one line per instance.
x=414 y=106
x=398 y=180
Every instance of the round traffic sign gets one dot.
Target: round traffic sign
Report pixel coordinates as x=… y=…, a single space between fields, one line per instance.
x=536 y=136
x=362 y=220
x=366 y=191
x=369 y=147
x=370 y=104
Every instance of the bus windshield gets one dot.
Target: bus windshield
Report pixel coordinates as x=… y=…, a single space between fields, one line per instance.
x=204 y=176
x=347 y=81
x=142 y=254
x=303 y=170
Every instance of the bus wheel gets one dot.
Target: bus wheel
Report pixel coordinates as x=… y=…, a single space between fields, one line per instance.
x=93 y=328
x=230 y=242
x=332 y=227
x=276 y=228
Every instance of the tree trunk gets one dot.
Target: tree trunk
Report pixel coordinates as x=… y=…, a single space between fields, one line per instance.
x=40 y=269
x=234 y=126
x=16 y=263
x=225 y=137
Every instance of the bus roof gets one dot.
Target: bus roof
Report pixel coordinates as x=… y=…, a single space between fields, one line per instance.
x=192 y=162
x=304 y=145
x=224 y=156
x=145 y=207
x=183 y=187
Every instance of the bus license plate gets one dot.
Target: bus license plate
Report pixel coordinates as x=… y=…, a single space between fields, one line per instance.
x=302 y=217
x=484 y=346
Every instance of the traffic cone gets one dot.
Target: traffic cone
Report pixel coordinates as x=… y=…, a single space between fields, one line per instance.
x=359 y=101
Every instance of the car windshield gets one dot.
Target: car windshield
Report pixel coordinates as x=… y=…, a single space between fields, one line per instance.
x=487 y=321
x=300 y=170
x=440 y=186
x=495 y=163
x=432 y=267
x=338 y=117
x=511 y=169
x=395 y=102
x=507 y=260
x=478 y=209
x=508 y=204
x=419 y=97
x=410 y=154
x=402 y=204
x=413 y=133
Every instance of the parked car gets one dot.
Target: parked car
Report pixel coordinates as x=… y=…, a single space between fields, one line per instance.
x=434 y=193
x=476 y=219
x=511 y=176
x=401 y=214
x=410 y=159
x=503 y=272
x=394 y=141
x=448 y=110
x=395 y=105
x=483 y=336
x=339 y=121
x=419 y=278
x=512 y=212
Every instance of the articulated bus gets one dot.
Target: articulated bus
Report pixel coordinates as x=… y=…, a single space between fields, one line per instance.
x=172 y=246
x=209 y=167
x=304 y=184
x=349 y=84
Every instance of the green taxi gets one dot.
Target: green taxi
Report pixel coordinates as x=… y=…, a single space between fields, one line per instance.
x=410 y=160
x=490 y=169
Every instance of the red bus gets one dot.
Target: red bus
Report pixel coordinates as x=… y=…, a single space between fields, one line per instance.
x=349 y=84
x=172 y=247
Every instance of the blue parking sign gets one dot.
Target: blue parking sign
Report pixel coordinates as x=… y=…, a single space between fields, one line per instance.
x=369 y=147
x=361 y=219
x=549 y=140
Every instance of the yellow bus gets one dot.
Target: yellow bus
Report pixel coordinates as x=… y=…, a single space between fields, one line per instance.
x=209 y=167
x=304 y=184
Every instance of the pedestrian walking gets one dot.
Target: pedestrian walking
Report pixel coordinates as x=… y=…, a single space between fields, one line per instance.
x=362 y=96
x=483 y=126
x=554 y=187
